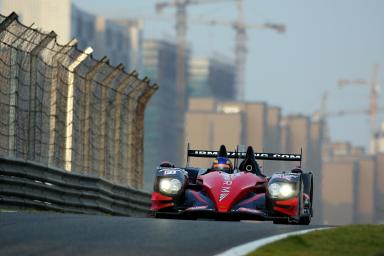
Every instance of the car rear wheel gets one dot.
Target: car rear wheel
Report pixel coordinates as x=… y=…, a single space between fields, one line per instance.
x=281 y=221
x=305 y=220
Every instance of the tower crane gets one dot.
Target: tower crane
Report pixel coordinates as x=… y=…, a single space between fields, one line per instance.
x=181 y=28
x=240 y=28
x=240 y=40
x=374 y=84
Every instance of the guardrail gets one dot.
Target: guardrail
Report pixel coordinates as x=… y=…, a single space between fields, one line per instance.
x=29 y=185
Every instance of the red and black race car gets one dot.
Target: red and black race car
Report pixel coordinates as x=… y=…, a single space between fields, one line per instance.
x=240 y=193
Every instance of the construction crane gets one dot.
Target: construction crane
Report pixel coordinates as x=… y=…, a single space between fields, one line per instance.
x=241 y=50
x=374 y=84
x=323 y=114
x=240 y=28
x=181 y=29
x=241 y=47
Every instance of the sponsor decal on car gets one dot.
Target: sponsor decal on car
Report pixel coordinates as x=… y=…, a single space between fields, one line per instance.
x=169 y=171
x=271 y=156
x=289 y=177
x=225 y=188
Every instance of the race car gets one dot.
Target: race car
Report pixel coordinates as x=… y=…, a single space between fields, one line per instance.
x=227 y=192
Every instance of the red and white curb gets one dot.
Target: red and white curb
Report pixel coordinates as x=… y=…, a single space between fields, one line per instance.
x=251 y=246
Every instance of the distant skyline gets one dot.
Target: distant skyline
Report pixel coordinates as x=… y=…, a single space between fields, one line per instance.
x=325 y=41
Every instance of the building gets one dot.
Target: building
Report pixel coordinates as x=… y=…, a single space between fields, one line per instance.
x=304 y=134
x=314 y=164
x=164 y=123
x=83 y=27
x=211 y=122
x=211 y=77
x=379 y=182
x=120 y=40
x=296 y=137
x=366 y=188
x=366 y=181
x=338 y=193
x=50 y=15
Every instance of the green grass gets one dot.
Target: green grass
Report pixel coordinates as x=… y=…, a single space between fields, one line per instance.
x=359 y=240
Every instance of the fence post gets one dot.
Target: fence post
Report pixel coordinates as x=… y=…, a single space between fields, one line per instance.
x=69 y=117
x=53 y=119
x=33 y=94
x=103 y=153
x=12 y=90
x=131 y=154
x=142 y=102
x=118 y=106
x=87 y=115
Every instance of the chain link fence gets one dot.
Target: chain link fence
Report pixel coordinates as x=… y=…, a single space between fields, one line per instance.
x=61 y=107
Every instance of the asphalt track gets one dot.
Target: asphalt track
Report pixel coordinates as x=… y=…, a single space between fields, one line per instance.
x=69 y=234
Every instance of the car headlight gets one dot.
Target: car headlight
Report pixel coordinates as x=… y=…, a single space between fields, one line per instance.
x=281 y=190
x=170 y=186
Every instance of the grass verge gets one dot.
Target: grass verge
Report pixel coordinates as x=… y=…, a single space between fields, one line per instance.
x=359 y=240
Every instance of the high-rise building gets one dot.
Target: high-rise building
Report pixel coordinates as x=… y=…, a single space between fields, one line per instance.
x=211 y=77
x=296 y=136
x=366 y=184
x=379 y=180
x=273 y=139
x=83 y=28
x=299 y=132
x=273 y=129
x=46 y=14
x=211 y=122
x=366 y=188
x=119 y=40
x=314 y=164
x=339 y=183
x=164 y=123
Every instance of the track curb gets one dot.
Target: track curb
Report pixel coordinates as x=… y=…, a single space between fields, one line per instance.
x=251 y=246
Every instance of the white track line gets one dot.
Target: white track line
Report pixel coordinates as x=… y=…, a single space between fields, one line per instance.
x=251 y=246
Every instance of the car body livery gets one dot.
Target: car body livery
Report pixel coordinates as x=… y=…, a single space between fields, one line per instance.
x=242 y=194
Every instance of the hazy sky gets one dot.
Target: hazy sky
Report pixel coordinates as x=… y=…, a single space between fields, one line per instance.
x=326 y=40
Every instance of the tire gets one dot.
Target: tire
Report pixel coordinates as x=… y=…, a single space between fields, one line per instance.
x=280 y=221
x=308 y=189
x=305 y=220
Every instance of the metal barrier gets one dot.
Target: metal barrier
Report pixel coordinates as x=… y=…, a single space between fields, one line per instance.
x=63 y=108
x=27 y=185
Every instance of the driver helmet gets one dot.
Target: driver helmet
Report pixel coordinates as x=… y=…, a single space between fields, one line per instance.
x=222 y=164
x=167 y=164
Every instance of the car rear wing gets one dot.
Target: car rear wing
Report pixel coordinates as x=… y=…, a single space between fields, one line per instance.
x=242 y=155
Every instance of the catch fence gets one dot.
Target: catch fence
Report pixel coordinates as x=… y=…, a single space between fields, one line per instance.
x=61 y=107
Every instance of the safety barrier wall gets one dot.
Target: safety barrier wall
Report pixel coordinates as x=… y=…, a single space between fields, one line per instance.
x=27 y=185
x=62 y=108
